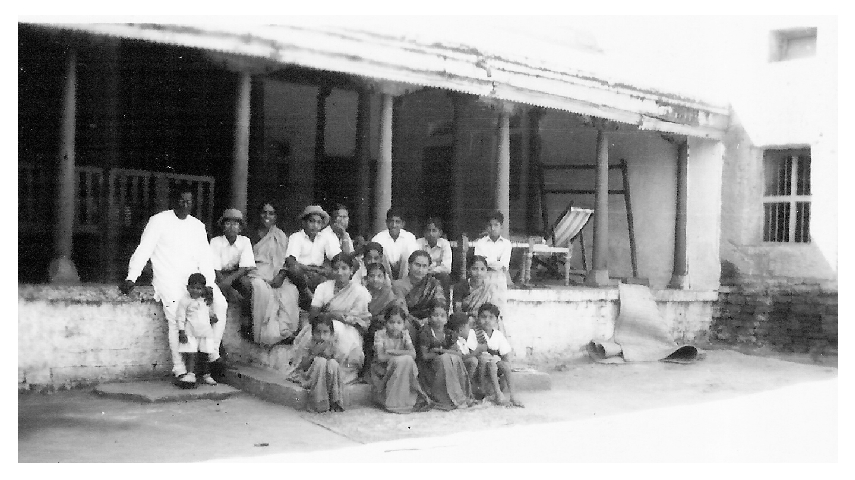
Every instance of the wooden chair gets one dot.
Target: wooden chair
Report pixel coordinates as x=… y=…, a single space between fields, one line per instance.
x=563 y=232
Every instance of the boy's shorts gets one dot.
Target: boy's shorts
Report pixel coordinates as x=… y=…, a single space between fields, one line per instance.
x=489 y=357
x=197 y=344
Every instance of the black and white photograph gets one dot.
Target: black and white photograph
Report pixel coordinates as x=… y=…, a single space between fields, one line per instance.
x=425 y=238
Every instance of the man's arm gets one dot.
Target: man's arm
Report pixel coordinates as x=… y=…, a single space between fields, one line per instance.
x=445 y=265
x=505 y=259
x=145 y=249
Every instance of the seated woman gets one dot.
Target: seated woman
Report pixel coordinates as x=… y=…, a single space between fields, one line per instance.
x=377 y=281
x=470 y=294
x=275 y=316
x=307 y=251
x=346 y=304
x=422 y=292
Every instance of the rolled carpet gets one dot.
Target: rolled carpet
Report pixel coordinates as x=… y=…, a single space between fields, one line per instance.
x=640 y=333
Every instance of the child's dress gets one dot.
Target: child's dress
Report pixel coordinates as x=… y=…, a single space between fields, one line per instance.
x=323 y=378
x=395 y=383
x=444 y=377
x=194 y=318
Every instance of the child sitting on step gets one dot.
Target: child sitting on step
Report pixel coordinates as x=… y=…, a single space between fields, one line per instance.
x=195 y=333
x=319 y=371
x=494 y=356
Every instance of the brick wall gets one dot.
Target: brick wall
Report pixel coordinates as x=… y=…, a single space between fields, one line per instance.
x=789 y=314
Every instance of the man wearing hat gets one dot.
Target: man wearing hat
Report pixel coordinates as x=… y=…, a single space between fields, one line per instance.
x=233 y=257
x=308 y=254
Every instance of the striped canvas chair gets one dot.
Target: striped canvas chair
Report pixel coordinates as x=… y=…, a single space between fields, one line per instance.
x=566 y=229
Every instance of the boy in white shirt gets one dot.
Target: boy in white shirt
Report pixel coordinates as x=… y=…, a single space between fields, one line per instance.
x=494 y=356
x=397 y=243
x=308 y=254
x=439 y=250
x=494 y=247
x=459 y=324
x=233 y=257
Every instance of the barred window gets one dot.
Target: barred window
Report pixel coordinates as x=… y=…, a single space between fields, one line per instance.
x=786 y=201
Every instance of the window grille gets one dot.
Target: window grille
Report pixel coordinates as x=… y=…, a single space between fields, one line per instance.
x=786 y=201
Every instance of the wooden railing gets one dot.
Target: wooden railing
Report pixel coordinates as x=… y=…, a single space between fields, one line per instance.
x=113 y=198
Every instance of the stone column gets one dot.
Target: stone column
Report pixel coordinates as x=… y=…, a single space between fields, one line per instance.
x=240 y=161
x=679 y=278
x=383 y=182
x=320 y=132
x=599 y=275
x=460 y=102
x=363 y=157
x=503 y=162
x=533 y=202
x=62 y=269
x=524 y=165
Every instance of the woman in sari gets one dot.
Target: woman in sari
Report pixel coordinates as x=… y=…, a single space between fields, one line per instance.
x=421 y=292
x=477 y=290
x=275 y=315
x=346 y=304
x=377 y=281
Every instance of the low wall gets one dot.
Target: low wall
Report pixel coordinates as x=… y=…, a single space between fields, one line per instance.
x=790 y=314
x=544 y=323
x=86 y=334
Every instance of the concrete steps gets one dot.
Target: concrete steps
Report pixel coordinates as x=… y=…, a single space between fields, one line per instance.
x=158 y=391
x=271 y=386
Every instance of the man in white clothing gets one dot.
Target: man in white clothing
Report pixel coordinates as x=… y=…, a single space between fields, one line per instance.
x=177 y=245
x=397 y=243
x=494 y=247
x=439 y=250
x=339 y=221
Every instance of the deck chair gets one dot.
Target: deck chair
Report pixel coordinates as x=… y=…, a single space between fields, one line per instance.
x=563 y=232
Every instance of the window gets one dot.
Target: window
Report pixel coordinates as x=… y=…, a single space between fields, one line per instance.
x=786 y=201
x=792 y=44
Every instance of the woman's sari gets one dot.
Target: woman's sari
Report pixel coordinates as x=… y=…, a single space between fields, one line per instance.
x=420 y=298
x=489 y=291
x=351 y=302
x=444 y=377
x=275 y=314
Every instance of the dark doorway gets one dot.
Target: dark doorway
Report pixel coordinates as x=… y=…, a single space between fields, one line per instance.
x=438 y=182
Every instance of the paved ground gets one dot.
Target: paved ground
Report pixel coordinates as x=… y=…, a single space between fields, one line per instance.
x=730 y=406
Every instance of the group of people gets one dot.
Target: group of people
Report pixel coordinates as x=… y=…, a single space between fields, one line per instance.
x=384 y=311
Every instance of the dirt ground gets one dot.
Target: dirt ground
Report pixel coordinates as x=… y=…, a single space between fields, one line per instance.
x=78 y=426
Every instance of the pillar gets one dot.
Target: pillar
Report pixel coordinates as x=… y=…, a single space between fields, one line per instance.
x=240 y=161
x=62 y=269
x=599 y=275
x=679 y=278
x=459 y=148
x=503 y=163
x=383 y=182
x=363 y=159
x=320 y=135
x=534 y=202
x=524 y=166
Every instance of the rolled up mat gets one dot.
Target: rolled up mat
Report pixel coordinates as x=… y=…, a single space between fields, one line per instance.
x=640 y=333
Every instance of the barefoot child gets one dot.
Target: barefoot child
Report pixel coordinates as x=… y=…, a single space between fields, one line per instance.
x=459 y=325
x=319 y=370
x=494 y=356
x=394 y=375
x=441 y=368
x=195 y=333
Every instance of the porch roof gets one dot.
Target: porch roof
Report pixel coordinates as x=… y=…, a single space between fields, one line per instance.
x=548 y=75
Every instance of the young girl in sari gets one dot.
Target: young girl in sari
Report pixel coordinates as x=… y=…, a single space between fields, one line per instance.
x=345 y=303
x=394 y=374
x=494 y=356
x=421 y=291
x=441 y=366
x=319 y=371
x=377 y=281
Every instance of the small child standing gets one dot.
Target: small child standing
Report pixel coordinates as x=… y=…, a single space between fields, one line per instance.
x=465 y=342
x=494 y=356
x=394 y=374
x=319 y=370
x=195 y=333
